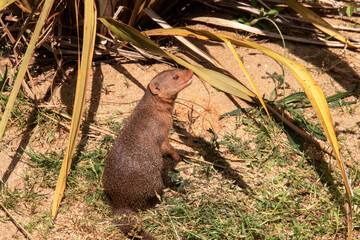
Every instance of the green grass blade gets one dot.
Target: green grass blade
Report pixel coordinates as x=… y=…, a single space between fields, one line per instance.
x=83 y=76
x=24 y=65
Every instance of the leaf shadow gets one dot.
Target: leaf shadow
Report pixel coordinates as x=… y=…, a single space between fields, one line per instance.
x=25 y=140
x=213 y=158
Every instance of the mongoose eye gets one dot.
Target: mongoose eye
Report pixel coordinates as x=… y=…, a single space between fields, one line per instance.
x=175 y=77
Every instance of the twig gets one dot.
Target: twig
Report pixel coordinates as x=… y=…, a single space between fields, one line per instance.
x=196 y=160
x=350 y=29
x=240 y=159
x=57 y=121
x=92 y=127
x=7 y=32
x=28 y=91
x=177 y=141
x=26 y=234
x=116 y=14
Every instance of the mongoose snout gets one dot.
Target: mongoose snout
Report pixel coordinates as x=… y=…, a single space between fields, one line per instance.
x=133 y=173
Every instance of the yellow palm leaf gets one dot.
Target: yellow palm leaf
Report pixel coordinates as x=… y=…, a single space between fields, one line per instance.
x=317 y=21
x=229 y=44
x=83 y=76
x=24 y=65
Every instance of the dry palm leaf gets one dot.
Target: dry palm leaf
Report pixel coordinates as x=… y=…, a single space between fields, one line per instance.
x=83 y=76
x=318 y=22
x=24 y=65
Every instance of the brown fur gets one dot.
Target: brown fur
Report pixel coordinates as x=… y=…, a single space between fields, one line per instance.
x=133 y=173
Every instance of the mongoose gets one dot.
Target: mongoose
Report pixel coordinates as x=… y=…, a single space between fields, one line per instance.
x=134 y=167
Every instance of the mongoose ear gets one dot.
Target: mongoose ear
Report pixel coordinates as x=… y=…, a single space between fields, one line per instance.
x=154 y=88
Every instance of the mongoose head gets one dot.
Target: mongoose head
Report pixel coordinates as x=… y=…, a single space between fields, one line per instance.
x=168 y=84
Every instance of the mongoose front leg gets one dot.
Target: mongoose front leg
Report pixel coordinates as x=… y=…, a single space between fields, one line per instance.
x=167 y=149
